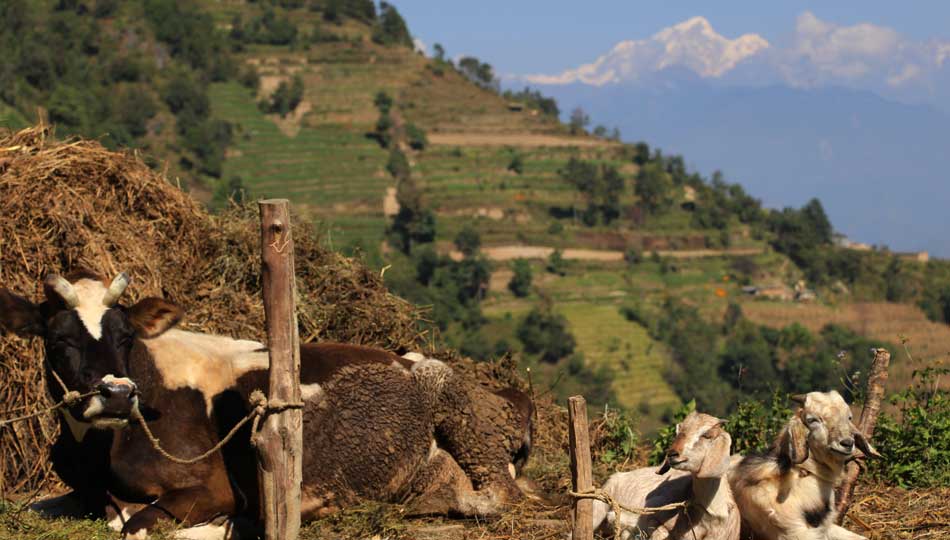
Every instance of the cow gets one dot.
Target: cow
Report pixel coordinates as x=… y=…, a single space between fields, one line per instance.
x=369 y=423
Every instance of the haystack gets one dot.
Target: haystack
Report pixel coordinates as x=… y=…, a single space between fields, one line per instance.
x=75 y=204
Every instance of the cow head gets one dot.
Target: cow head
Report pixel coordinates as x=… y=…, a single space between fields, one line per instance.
x=89 y=339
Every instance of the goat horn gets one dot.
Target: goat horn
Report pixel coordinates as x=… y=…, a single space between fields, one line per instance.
x=64 y=289
x=116 y=289
x=798 y=398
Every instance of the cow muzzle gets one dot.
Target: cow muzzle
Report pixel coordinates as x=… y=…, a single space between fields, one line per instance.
x=112 y=406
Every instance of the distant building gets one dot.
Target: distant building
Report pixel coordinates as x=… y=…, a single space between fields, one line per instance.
x=515 y=106
x=918 y=256
x=843 y=241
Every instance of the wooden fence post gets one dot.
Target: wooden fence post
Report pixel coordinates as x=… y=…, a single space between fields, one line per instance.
x=877 y=379
x=581 y=468
x=280 y=441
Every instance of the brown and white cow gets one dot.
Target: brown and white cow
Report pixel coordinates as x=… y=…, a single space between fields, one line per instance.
x=369 y=427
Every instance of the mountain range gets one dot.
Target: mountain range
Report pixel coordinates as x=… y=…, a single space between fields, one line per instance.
x=858 y=116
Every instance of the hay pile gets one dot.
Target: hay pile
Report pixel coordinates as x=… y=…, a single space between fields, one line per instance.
x=71 y=204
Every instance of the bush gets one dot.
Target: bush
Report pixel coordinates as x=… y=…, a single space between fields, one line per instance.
x=916 y=443
x=286 y=97
x=520 y=284
x=468 y=241
x=416 y=137
x=618 y=440
x=546 y=333
x=516 y=165
x=633 y=256
x=556 y=263
x=398 y=164
x=755 y=424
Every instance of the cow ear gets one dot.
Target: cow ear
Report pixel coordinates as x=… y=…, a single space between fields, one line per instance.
x=151 y=317
x=20 y=316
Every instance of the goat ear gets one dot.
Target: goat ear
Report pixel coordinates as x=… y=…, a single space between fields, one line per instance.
x=793 y=443
x=863 y=444
x=19 y=315
x=716 y=462
x=151 y=317
x=665 y=467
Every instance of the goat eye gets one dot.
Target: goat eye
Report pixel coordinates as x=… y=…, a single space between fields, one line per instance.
x=709 y=435
x=813 y=420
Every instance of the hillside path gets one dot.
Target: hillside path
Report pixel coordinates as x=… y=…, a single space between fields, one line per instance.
x=508 y=253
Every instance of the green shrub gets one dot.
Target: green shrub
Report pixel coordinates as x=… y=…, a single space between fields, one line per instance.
x=633 y=256
x=520 y=283
x=754 y=424
x=416 y=137
x=516 y=165
x=556 y=263
x=546 y=333
x=915 y=444
x=468 y=241
x=618 y=440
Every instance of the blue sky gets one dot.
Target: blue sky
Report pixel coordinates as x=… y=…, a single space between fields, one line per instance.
x=531 y=36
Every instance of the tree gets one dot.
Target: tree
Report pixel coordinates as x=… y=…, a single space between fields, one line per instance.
x=520 y=283
x=654 y=188
x=601 y=187
x=556 y=263
x=480 y=73
x=416 y=137
x=383 y=102
x=468 y=241
x=439 y=52
x=391 y=28
x=579 y=120
x=546 y=333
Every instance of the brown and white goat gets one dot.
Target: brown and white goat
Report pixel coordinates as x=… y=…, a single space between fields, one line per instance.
x=790 y=494
x=700 y=458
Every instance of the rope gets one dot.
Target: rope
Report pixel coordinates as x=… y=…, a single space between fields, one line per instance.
x=616 y=507
x=69 y=399
x=260 y=405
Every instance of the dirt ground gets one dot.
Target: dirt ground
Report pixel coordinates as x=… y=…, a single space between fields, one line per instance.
x=508 y=253
x=510 y=139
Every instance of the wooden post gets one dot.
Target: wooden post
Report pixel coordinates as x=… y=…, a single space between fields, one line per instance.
x=877 y=379
x=581 y=468
x=280 y=441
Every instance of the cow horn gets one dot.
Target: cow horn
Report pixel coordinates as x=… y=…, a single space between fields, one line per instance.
x=798 y=398
x=116 y=289
x=64 y=289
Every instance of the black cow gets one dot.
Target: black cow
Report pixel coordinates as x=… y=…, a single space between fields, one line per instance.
x=369 y=427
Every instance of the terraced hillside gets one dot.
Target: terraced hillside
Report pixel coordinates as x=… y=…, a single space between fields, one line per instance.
x=321 y=157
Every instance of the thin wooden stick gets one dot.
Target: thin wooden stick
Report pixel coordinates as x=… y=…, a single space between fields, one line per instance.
x=280 y=441
x=877 y=379
x=581 y=469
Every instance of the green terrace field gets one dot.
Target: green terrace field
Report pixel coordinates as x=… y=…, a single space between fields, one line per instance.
x=332 y=174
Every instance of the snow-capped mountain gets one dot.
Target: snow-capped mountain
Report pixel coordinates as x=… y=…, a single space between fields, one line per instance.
x=855 y=115
x=692 y=44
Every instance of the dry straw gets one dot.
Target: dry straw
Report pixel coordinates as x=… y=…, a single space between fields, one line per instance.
x=68 y=204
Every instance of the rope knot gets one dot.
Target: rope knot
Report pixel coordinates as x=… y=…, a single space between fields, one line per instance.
x=259 y=401
x=71 y=398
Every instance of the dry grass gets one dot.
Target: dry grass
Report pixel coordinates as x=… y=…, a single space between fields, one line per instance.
x=76 y=204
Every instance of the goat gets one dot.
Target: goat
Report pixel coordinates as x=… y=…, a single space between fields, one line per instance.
x=790 y=493
x=700 y=458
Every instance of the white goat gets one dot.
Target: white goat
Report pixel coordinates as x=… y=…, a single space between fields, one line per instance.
x=700 y=457
x=790 y=494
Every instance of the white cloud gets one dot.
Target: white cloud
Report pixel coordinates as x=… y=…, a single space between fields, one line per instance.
x=817 y=53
